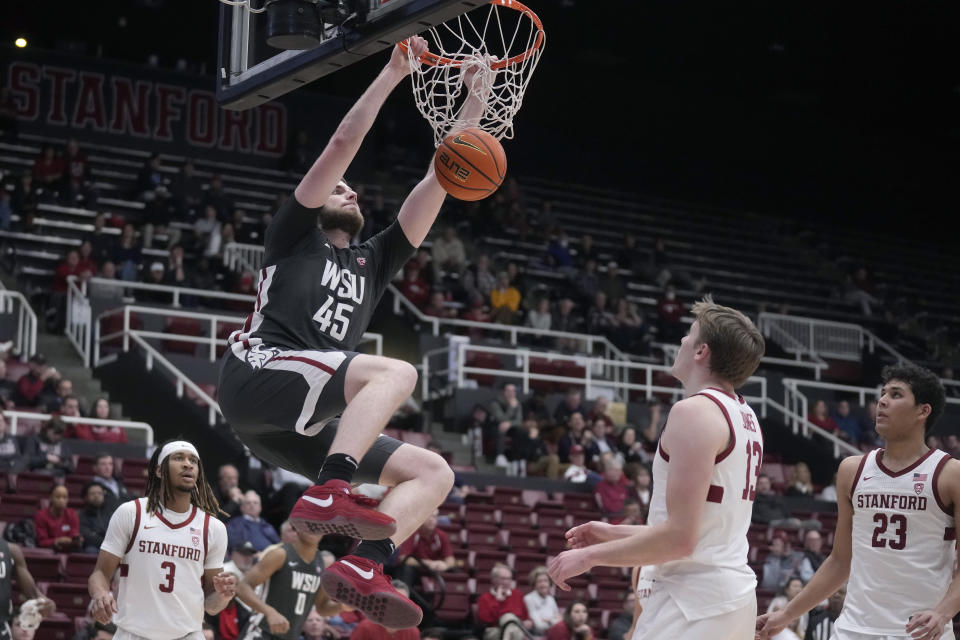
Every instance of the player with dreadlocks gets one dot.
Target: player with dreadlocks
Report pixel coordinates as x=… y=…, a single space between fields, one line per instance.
x=169 y=547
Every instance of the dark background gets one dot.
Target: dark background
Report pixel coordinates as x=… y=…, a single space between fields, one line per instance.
x=822 y=109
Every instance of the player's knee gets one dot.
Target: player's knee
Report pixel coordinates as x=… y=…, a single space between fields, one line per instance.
x=403 y=375
x=438 y=471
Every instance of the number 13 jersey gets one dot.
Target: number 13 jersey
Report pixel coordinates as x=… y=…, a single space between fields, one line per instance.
x=715 y=578
x=903 y=539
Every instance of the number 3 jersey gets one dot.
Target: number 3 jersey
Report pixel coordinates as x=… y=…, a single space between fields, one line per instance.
x=312 y=295
x=163 y=557
x=903 y=544
x=715 y=578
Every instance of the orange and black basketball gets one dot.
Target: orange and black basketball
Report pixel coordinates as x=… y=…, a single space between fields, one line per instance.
x=470 y=164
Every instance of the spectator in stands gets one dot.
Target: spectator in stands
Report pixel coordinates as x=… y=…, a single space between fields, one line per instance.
x=630 y=257
x=629 y=328
x=94 y=517
x=860 y=291
x=504 y=300
x=479 y=277
x=218 y=199
x=45 y=452
x=829 y=492
x=76 y=179
x=541 y=605
x=48 y=170
x=631 y=449
x=787 y=593
x=813 y=555
x=670 y=310
x=951 y=444
x=600 y=319
x=155 y=275
x=25 y=200
x=528 y=451
x=205 y=230
x=821 y=621
x=6 y=210
x=613 y=491
x=598 y=414
x=868 y=425
x=242 y=231
x=58 y=526
x=632 y=513
x=63 y=389
x=801 y=484
x=227 y=491
x=847 y=423
x=506 y=414
x=586 y=252
x=149 y=177
x=87 y=265
x=38 y=379
x=108 y=295
x=517 y=280
x=575 y=624
x=566 y=319
x=413 y=286
x=476 y=426
x=187 y=191
x=243 y=555
x=9 y=127
x=540 y=318
x=250 y=526
x=438 y=307
x=127 y=254
x=611 y=283
x=576 y=426
x=369 y=630
x=11 y=455
x=558 y=256
x=572 y=403
x=477 y=311
x=56 y=313
x=449 y=256
x=769 y=508
x=781 y=563
x=620 y=625
x=501 y=610
x=586 y=283
x=157 y=216
x=427 y=550
x=576 y=470
x=643 y=485
x=820 y=416
x=101 y=243
x=601 y=445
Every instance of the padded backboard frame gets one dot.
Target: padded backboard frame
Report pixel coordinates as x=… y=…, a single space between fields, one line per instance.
x=244 y=82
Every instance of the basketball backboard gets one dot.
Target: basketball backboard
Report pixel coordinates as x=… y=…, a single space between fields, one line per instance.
x=251 y=72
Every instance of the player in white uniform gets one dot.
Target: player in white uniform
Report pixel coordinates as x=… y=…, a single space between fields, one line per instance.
x=169 y=548
x=896 y=527
x=695 y=582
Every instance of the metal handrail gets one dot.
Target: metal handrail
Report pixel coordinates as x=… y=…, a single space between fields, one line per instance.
x=15 y=417
x=26 y=338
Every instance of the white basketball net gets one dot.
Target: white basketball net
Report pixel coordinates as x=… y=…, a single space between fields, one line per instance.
x=506 y=31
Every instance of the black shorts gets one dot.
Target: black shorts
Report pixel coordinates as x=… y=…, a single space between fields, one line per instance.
x=283 y=405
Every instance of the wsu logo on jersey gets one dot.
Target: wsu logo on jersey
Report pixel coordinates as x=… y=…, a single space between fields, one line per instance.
x=258 y=355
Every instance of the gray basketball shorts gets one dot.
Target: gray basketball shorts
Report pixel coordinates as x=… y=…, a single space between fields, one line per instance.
x=284 y=406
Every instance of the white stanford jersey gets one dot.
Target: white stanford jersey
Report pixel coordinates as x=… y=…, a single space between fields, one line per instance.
x=903 y=544
x=715 y=578
x=163 y=557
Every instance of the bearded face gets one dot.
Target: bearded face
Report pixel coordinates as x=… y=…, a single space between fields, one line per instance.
x=346 y=218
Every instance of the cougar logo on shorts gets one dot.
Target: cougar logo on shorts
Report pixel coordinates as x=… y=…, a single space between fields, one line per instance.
x=258 y=355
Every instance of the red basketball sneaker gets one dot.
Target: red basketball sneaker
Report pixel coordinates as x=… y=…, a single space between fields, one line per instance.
x=361 y=584
x=331 y=508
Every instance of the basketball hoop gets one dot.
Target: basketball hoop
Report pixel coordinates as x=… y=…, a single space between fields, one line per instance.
x=511 y=34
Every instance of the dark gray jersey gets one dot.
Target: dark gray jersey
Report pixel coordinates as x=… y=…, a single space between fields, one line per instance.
x=312 y=295
x=291 y=590
x=6 y=582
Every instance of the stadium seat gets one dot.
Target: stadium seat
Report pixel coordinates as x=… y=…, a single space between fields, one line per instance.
x=75 y=482
x=55 y=629
x=508 y=496
x=71 y=599
x=484 y=538
x=516 y=518
x=78 y=567
x=14 y=507
x=83 y=465
x=552 y=520
x=481 y=562
x=45 y=567
x=136 y=486
x=134 y=468
x=524 y=562
x=483 y=361
x=184 y=327
x=524 y=540
x=579 y=502
x=35 y=483
x=455 y=608
x=479 y=514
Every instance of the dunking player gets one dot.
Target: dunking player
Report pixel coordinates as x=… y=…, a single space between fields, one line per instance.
x=169 y=547
x=896 y=527
x=695 y=582
x=292 y=367
x=290 y=573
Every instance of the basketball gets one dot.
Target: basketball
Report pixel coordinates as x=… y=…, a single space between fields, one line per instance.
x=470 y=164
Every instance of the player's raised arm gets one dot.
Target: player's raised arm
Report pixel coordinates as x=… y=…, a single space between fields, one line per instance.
x=419 y=210
x=343 y=145
x=929 y=624
x=835 y=569
x=696 y=432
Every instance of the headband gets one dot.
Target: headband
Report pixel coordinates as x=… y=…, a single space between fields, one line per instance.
x=177 y=445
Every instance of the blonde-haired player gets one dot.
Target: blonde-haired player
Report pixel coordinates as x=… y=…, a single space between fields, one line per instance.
x=895 y=540
x=169 y=548
x=695 y=582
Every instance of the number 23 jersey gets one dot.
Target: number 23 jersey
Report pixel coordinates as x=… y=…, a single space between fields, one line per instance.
x=903 y=539
x=312 y=295
x=163 y=557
